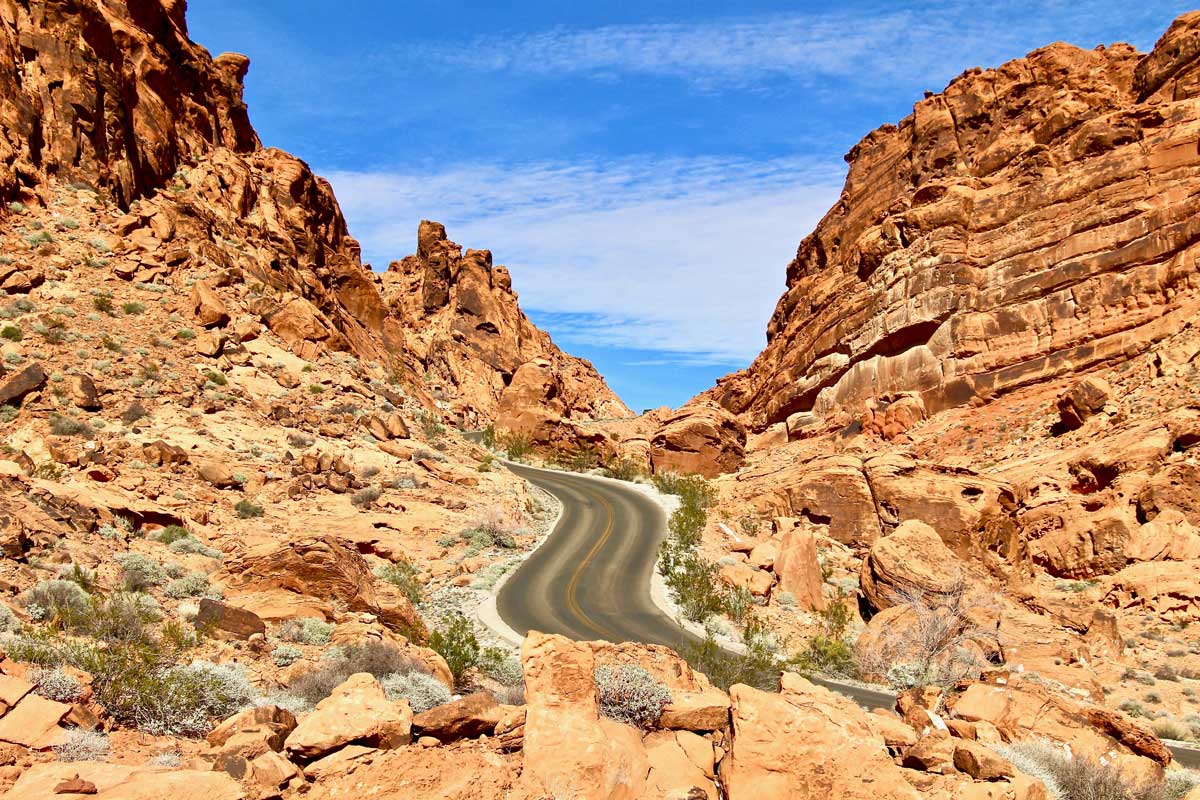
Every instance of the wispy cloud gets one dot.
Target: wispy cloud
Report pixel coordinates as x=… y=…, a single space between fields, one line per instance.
x=864 y=45
x=681 y=256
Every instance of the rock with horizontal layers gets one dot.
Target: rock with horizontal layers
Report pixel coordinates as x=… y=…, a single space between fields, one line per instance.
x=1025 y=223
x=253 y=732
x=357 y=711
x=326 y=569
x=806 y=742
x=569 y=748
x=1169 y=590
x=466 y=718
x=701 y=438
x=123 y=782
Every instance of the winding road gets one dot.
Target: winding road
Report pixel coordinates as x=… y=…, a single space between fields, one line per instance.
x=591 y=578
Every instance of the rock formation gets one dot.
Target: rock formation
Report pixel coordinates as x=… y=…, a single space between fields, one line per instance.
x=1028 y=222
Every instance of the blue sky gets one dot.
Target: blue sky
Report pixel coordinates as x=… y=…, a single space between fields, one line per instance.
x=646 y=170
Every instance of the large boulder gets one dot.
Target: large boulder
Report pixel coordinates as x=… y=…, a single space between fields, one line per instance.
x=799 y=570
x=326 y=569
x=806 y=742
x=466 y=718
x=570 y=750
x=702 y=438
x=358 y=711
x=912 y=558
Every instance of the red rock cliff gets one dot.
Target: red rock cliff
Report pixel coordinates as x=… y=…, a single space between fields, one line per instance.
x=1029 y=221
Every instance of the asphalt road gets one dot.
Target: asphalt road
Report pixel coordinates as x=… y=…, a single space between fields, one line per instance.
x=591 y=578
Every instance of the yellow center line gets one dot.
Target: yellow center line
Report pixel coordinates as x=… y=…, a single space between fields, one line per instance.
x=573 y=585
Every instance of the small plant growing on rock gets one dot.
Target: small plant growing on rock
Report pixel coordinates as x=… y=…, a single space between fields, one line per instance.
x=56 y=684
x=247 y=510
x=307 y=630
x=630 y=694
x=403 y=576
x=285 y=655
x=81 y=745
x=422 y=691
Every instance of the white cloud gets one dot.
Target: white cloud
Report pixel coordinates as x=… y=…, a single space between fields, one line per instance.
x=685 y=257
x=864 y=46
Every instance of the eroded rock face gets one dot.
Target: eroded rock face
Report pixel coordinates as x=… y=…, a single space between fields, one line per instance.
x=702 y=438
x=1041 y=217
x=473 y=341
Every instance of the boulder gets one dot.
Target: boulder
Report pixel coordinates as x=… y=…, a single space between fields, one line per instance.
x=357 y=711
x=14 y=389
x=123 y=782
x=910 y=559
x=207 y=306
x=569 y=748
x=1081 y=401
x=33 y=722
x=240 y=623
x=253 y=732
x=466 y=718
x=702 y=438
x=84 y=393
x=681 y=765
x=216 y=473
x=806 y=742
x=799 y=570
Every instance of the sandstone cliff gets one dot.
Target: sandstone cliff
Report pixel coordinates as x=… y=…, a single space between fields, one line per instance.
x=1028 y=222
x=117 y=98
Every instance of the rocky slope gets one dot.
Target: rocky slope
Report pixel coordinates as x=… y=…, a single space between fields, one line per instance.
x=117 y=98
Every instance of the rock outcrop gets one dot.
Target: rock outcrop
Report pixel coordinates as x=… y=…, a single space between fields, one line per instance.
x=1028 y=222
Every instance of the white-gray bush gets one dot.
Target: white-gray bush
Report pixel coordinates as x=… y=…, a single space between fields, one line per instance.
x=8 y=620
x=81 y=745
x=630 y=694
x=190 y=544
x=194 y=584
x=55 y=684
x=422 y=691
x=141 y=572
x=285 y=655
x=55 y=598
x=184 y=700
x=307 y=630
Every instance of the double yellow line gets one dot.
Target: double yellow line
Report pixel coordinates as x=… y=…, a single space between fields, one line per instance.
x=573 y=585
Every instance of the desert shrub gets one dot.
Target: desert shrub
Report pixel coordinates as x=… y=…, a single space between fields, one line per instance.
x=516 y=446
x=580 y=459
x=431 y=426
x=1170 y=729
x=81 y=745
x=140 y=572
x=485 y=463
x=760 y=666
x=491 y=529
x=456 y=642
x=185 y=334
x=247 y=510
x=215 y=377
x=307 y=630
x=403 y=576
x=1132 y=707
x=170 y=534
x=133 y=307
x=299 y=440
x=136 y=411
x=171 y=758
x=56 y=684
x=1068 y=777
x=103 y=304
x=285 y=655
x=62 y=425
x=12 y=333
x=507 y=671
x=939 y=640
x=623 y=469
x=8 y=620
x=191 y=545
x=422 y=691
x=630 y=694
x=194 y=584
x=1166 y=673
x=77 y=573
x=366 y=497
x=57 y=601
x=829 y=652
x=376 y=658
x=120 y=617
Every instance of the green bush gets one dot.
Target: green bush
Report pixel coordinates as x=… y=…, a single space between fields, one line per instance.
x=630 y=694
x=759 y=666
x=62 y=425
x=403 y=576
x=103 y=304
x=366 y=497
x=58 y=601
x=285 y=655
x=12 y=333
x=247 y=510
x=170 y=534
x=133 y=307
x=456 y=643
x=516 y=446
x=624 y=469
x=828 y=652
